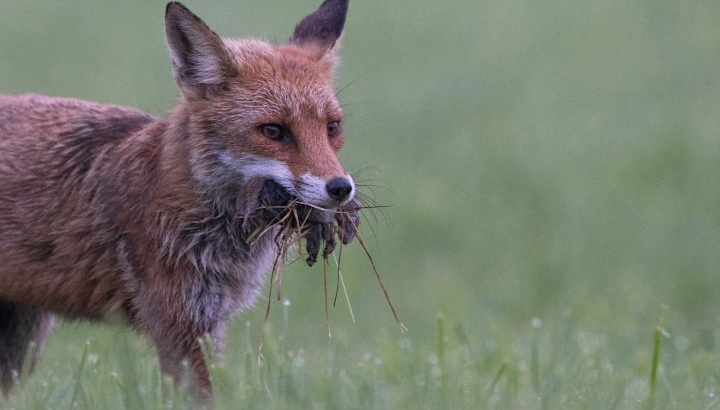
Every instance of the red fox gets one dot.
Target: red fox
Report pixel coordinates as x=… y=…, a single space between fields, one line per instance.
x=106 y=209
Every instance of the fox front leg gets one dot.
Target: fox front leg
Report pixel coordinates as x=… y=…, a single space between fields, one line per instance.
x=182 y=358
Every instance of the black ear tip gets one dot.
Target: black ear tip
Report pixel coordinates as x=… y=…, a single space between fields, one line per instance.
x=174 y=7
x=325 y=25
x=341 y=4
x=338 y=3
x=336 y=9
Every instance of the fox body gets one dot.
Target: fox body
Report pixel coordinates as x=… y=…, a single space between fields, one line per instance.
x=107 y=209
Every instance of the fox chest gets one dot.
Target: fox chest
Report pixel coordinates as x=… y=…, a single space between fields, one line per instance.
x=229 y=276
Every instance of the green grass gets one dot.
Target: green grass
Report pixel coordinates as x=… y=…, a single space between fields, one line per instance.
x=553 y=174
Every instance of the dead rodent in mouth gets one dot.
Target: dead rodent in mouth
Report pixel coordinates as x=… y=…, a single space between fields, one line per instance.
x=317 y=226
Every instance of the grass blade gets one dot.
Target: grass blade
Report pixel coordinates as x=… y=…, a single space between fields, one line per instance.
x=78 y=383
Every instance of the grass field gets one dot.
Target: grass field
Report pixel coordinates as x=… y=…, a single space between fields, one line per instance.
x=554 y=174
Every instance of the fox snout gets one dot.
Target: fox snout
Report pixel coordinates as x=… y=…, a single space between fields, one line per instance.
x=275 y=195
x=339 y=189
x=325 y=193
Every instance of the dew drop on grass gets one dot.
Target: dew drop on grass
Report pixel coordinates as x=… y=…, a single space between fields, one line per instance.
x=93 y=358
x=637 y=390
x=681 y=343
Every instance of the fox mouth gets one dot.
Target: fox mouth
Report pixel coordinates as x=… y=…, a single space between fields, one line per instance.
x=299 y=220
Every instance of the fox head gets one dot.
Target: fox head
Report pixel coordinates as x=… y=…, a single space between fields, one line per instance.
x=255 y=110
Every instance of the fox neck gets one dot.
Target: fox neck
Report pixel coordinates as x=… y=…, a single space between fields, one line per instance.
x=195 y=219
x=191 y=171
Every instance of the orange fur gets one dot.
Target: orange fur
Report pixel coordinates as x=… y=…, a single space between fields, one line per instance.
x=106 y=209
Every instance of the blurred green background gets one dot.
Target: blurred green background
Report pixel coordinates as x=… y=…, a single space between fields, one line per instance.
x=552 y=169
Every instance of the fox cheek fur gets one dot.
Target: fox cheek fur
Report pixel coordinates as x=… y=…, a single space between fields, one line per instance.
x=105 y=208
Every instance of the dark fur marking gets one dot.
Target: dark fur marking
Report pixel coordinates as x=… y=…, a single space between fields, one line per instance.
x=8 y=319
x=187 y=70
x=19 y=325
x=82 y=144
x=40 y=251
x=324 y=25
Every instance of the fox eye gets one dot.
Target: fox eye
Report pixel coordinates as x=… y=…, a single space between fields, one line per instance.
x=333 y=129
x=274 y=132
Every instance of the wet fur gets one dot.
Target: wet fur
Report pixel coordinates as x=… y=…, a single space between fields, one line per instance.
x=107 y=209
x=110 y=220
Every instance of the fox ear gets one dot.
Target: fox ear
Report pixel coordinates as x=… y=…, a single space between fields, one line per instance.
x=200 y=61
x=322 y=29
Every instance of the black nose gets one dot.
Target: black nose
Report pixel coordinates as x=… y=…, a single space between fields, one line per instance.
x=339 y=188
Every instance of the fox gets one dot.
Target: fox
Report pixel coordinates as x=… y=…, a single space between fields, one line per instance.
x=108 y=210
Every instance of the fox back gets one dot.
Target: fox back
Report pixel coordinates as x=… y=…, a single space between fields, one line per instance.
x=107 y=209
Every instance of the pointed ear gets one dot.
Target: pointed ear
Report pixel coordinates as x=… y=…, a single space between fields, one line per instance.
x=200 y=60
x=322 y=29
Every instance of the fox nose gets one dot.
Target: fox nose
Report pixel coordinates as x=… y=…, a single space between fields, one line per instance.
x=339 y=188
